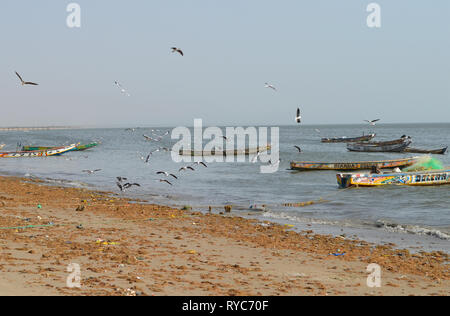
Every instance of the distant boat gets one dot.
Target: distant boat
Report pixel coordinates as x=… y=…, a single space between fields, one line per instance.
x=77 y=148
x=391 y=146
x=235 y=152
x=422 y=178
x=362 y=165
x=39 y=153
x=348 y=139
x=425 y=151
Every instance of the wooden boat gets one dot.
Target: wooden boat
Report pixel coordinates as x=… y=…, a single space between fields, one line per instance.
x=425 y=151
x=38 y=153
x=363 y=165
x=380 y=147
x=348 y=139
x=235 y=152
x=77 y=148
x=422 y=178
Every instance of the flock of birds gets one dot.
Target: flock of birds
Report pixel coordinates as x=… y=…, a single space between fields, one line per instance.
x=121 y=181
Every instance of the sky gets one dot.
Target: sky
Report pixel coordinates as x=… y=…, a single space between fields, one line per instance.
x=320 y=54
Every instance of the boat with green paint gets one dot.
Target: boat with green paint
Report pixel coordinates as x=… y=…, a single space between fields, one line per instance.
x=77 y=148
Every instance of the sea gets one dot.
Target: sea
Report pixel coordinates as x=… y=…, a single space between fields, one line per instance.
x=416 y=218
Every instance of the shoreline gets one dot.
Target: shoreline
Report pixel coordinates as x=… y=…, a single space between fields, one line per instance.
x=128 y=248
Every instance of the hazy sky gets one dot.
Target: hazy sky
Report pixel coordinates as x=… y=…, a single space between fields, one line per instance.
x=320 y=54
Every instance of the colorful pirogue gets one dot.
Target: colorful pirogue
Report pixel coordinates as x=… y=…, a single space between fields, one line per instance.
x=420 y=178
x=39 y=153
x=77 y=147
x=363 y=165
x=348 y=139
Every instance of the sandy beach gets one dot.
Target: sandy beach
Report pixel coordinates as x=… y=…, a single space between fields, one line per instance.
x=132 y=248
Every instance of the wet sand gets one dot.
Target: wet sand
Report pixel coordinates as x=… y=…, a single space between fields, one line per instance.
x=131 y=248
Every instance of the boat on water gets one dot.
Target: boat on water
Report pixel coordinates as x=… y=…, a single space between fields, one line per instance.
x=391 y=146
x=77 y=148
x=420 y=178
x=38 y=153
x=348 y=139
x=441 y=151
x=362 y=165
x=233 y=152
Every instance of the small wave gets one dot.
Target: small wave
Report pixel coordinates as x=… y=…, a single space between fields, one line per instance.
x=70 y=183
x=412 y=229
x=304 y=220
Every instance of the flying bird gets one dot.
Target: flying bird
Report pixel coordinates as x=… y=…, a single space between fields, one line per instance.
x=177 y=50
x=121 y=88
x=26 y=82
x=92 y=171
x=120 y=179
x=167 y=174
x=161 y=180
x=185 y=168
x=298 y=148
x=266 y=85
x=255 y=159
x=372 y=122
x=200 y=163
x=298 y=117
x=129 y=185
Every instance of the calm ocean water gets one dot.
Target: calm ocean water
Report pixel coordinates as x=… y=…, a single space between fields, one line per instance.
x=419 y=209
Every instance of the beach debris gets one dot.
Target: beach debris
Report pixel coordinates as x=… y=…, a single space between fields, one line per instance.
x=39 y=206
x=337 y=254
x=80 y=208
x=228 y=208
x=80 y=226
x=186 y=208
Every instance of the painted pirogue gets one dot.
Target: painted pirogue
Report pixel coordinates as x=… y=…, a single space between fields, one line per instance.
x=362 y=165
x=348 y=139
x=38 y=153
x=421 y=178
x=77 y=148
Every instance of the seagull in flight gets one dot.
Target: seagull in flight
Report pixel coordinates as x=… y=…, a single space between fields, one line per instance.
x=167 y=174
x=267 y=85
x=166 y=181
x=185 y=168
x=177 y=50
x=26 y=82
x=92 y=171
x=298 y=148
x=200 y=163
x=121 y=88
x=298 y=117
x=372 y=122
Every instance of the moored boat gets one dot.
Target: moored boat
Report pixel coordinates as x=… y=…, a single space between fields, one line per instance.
x=77 y=148
x=426 y=151
x=392 y=146
x=348 y=139
x=38 y=153
x=362 y=165
x=421 y=178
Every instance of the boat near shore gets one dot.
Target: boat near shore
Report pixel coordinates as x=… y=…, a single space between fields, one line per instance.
x=38 y=153
x=362 y=165
x=232 y=152
x=440 y=151
x=77 y=148
x=421 y=178
x=348 y=139
x=398 y=145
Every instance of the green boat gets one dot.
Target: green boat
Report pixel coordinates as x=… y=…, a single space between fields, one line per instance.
x=77 y=148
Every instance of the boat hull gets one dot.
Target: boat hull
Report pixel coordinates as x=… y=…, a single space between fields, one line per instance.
x=77 y=148
x=362 y=165
x=348 y=139
x=236 y=152
x=424 y=178
x=424 y=151
x=368 y=147
x=39 y=153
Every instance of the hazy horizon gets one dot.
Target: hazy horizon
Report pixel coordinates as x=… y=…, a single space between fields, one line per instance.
x=321 y=56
